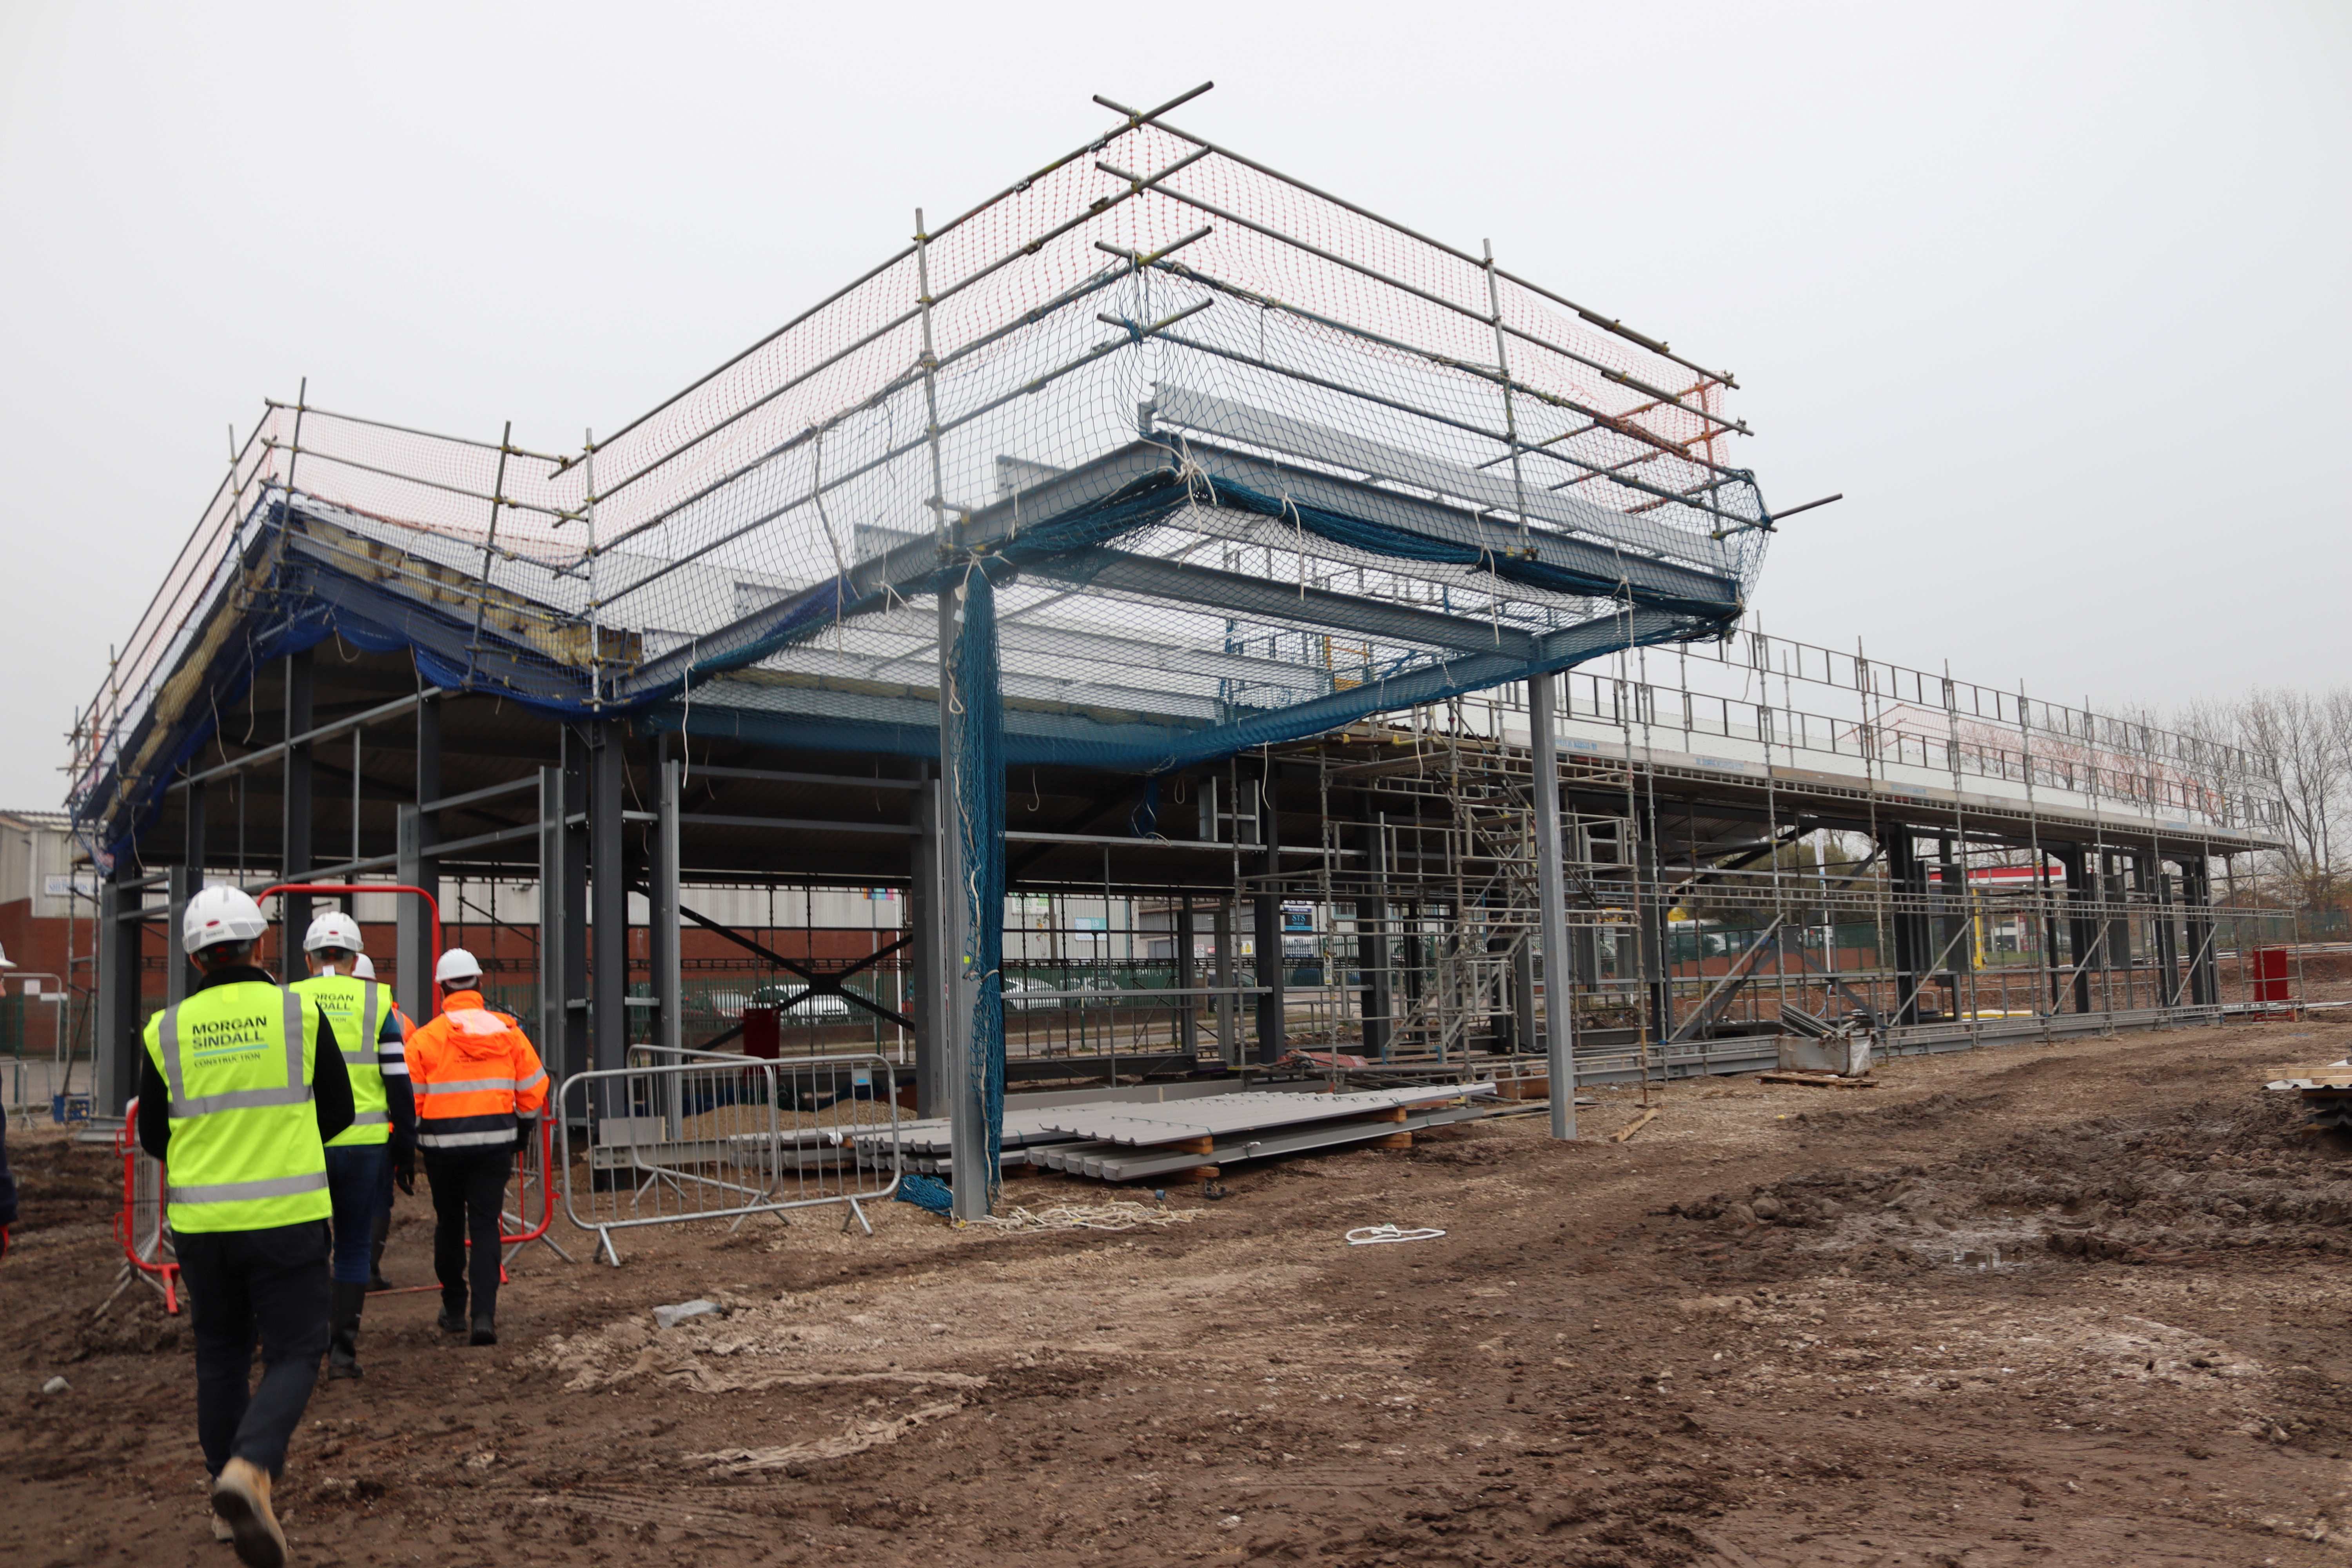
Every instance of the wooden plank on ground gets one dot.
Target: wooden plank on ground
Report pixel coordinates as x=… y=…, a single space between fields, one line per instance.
x=1817 y=1079
x=1634 y=1126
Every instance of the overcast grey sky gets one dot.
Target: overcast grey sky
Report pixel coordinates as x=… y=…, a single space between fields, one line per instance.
x=2060 y=296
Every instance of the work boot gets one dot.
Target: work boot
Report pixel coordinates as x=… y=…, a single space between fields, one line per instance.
x=376 y=1281
x=221 y=1531
x=241 y=1496
x=343 y=1324
x=486 y=1330
x=453 y=1315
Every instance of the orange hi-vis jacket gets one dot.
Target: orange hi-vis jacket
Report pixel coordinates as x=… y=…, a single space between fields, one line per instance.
x=475 y=1075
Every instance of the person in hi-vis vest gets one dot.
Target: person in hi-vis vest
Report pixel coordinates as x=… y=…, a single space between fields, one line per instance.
x=379 y=1145
x=241 y=1087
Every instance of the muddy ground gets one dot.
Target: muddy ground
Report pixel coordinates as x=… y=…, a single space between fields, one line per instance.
x=2082 y=1304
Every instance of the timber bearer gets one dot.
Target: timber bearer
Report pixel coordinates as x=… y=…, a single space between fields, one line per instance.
x=479 y=1086
x=380 y=1146
x=241 y=1087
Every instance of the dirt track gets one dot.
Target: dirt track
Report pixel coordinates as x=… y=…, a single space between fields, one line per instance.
x=2074 y=1305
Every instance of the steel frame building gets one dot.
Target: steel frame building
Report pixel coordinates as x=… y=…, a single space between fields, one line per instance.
x=1252 y=538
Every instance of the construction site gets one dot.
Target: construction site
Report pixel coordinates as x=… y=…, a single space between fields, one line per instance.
x=1178 y=912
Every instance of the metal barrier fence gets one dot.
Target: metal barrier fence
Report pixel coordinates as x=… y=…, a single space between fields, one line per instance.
x=139 y=1222
x=690 y=1135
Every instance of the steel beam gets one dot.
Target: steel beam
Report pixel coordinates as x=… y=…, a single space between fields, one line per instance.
x=1254 y=598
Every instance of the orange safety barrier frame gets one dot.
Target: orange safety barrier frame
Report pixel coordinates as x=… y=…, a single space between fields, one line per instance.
x=518 y=1230
x=139 y=1224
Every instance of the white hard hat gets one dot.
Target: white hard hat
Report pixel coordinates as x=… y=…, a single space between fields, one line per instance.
x=457 y=964
x=363 y=967
x=219 y=914
x=334 y=929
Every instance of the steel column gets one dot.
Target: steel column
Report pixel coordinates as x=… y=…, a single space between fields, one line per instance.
x=417 y=831
x=2168 y=941
x=927 y=962
x=2197 y=895
x=185 y=880
x=1229 y=1031
x=1906 y=880
x=1187 y=1016
x=608 y=970
x=960 y=992
x=661 y=915
x=179 y=884
x=1523 y=992
x=1372 y=941
x=115 y=1047
x=1266 y=915
x=1952 y=916
x=564 y=910
x=2082 y=930
x=1552 y=908
x=294 y=858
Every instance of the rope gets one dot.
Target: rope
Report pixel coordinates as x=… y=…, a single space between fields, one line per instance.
x=1127 y=1215
x=1381 y=1234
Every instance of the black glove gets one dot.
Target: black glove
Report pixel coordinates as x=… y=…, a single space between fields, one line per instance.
x=526 y=1133
x=404 y=1170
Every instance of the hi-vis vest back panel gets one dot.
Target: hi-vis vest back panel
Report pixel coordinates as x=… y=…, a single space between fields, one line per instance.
x=474 y=1074
x=245 y=1151
x=356 y=1009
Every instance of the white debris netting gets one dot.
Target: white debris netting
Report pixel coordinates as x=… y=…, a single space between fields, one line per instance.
x=1244 y=462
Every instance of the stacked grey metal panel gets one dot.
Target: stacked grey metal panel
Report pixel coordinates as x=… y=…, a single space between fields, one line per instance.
x=1135 y=1139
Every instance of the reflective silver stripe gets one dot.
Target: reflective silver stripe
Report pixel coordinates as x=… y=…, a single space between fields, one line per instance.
x=392 y=1067
x=367 y=1018
x=533 y=1081
x=464 y=1140
x=239 y=1192
x=473 y=1086
x=240 y=1100
x=371 y=1119
x=295 y=1002
x=168 y=1037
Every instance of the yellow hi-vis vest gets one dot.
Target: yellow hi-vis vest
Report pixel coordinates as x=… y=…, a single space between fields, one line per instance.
x=245 y=1150
x=355 y=1007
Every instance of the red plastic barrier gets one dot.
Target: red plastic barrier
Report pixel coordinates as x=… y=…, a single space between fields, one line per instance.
x=2270 y=975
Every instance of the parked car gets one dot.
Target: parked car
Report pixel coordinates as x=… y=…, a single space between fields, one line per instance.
x=827 y=1008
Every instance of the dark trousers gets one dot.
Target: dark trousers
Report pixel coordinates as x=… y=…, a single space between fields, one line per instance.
x=469 y=1186
x=359 y=1177
x=246 y=1286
